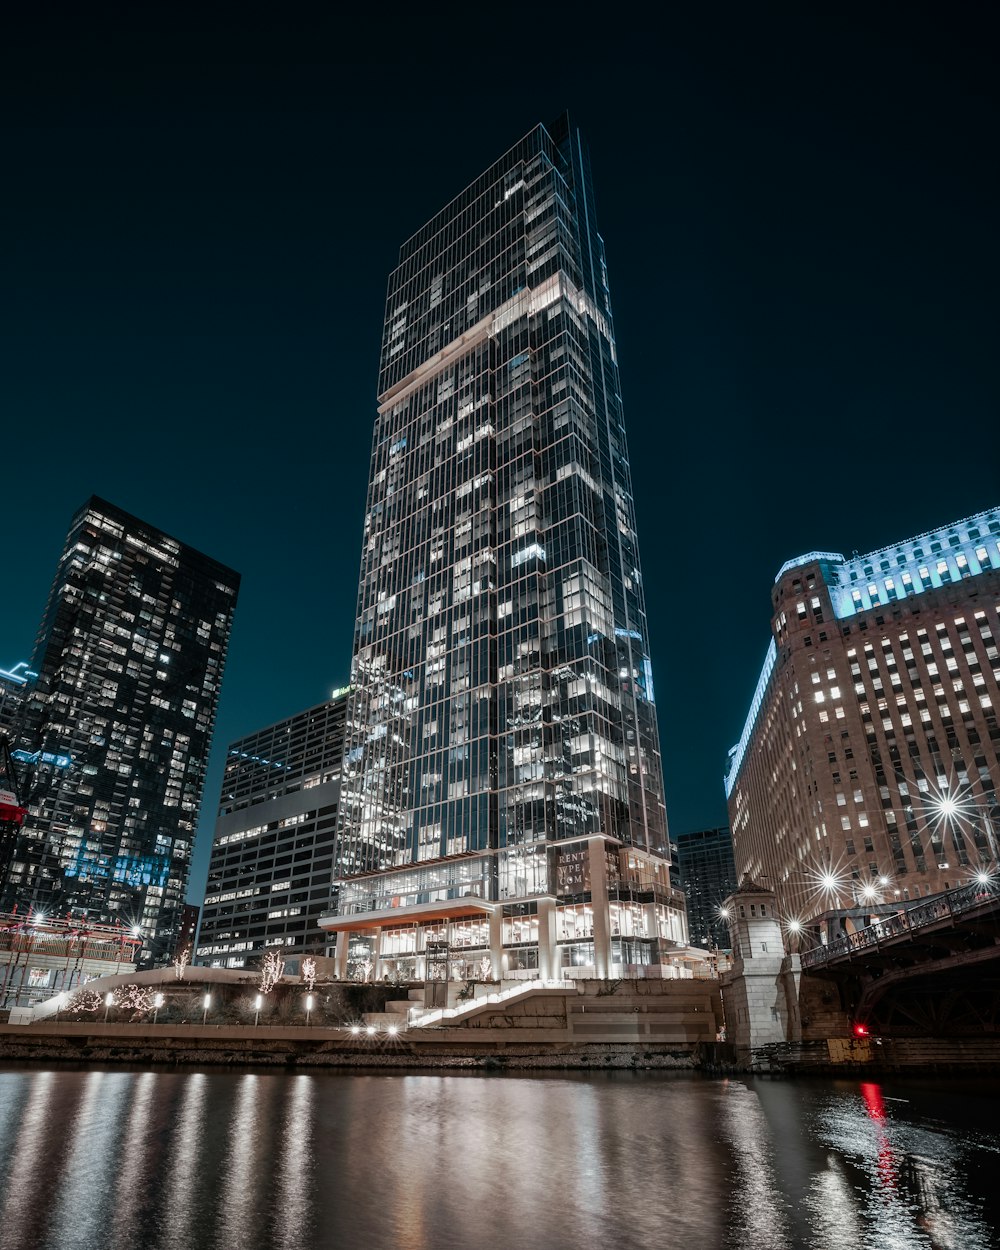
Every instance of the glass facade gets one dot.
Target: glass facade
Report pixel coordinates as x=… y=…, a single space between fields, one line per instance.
x=707 y=876
x=501 y=739
x=118 y=725
x=272 y=858
x=15 y=684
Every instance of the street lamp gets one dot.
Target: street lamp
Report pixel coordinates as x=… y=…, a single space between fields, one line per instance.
x=258 y=1004
x=309 y=1009
x=208 y=1003
x=794 y=928
x=109 y=998
x=157 y=1004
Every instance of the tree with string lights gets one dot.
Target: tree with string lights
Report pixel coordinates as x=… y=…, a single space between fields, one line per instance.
x=271 y=970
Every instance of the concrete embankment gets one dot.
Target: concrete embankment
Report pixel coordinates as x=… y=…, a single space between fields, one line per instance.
x=615 y=1024
x=866 y=1057
x=194 y=1045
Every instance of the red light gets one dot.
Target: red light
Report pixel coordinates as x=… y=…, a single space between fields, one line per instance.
x=861 y=1030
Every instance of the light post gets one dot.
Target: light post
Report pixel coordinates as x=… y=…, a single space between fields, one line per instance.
x=259 y=1003
x=109 y=998
x=157 y=1004
x=208 y=1003
x=309 y=1009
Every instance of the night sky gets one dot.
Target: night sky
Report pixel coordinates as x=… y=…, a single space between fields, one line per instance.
x=800 y=210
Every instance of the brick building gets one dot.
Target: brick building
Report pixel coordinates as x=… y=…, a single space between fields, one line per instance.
x=867 y=769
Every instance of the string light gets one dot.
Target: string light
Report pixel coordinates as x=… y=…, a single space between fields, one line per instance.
x=271 y=970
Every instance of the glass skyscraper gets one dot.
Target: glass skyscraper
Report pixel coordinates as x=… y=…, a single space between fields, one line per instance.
x=502 y=790
x=118 y=725
x=707 y=876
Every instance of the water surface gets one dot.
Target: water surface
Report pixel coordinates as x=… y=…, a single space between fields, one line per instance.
x=121 y=1159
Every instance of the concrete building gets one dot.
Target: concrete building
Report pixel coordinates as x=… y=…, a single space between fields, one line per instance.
x=271 y=870
x=503 y=792
x=41 y=956
x=707 y=875
x=760 y=991
x=868 y=767
x=118 y=725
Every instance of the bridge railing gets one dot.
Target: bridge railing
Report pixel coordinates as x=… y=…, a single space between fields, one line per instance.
x=952 y=903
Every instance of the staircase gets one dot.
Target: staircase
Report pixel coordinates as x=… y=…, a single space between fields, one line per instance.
x=397 y=1015
x=444 y=1017
x=410 y=1012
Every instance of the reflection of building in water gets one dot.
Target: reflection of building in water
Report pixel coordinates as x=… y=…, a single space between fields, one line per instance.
x=502 y=787
x=920 y=1185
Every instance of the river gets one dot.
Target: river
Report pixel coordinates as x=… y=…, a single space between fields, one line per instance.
x=114 y=1159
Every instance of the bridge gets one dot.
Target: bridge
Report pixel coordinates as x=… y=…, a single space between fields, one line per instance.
x=931 y=969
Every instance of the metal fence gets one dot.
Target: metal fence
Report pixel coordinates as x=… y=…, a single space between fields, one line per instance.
x=909 y=920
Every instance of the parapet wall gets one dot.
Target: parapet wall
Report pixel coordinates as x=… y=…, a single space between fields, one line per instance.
x=683 y=1013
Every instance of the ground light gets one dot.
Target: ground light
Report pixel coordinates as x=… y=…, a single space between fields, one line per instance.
x=109 y=998
x=258 y=1003
x=309 y=1008
x=208 y=1003
x=157 y=1004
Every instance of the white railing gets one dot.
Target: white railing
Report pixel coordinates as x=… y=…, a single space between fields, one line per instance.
x=420 y=1018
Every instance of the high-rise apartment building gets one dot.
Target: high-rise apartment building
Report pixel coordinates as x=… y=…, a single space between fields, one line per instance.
x=707 y=877
x=15 y=683
x=271 y=871
x=502 y=790
x=129 y=657
x=867 y=769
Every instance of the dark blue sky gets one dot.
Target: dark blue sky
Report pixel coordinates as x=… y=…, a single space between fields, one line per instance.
x=197 y=224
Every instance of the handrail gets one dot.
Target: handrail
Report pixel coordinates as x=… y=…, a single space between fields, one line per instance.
x=951 y=903
x=421 y=1019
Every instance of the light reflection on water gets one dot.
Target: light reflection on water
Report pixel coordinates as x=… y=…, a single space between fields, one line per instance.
x=182 y=1163
x=254 y=1160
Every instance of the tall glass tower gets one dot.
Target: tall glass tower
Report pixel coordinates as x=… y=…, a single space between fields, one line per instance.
x=502 y=791
x=129 y=660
